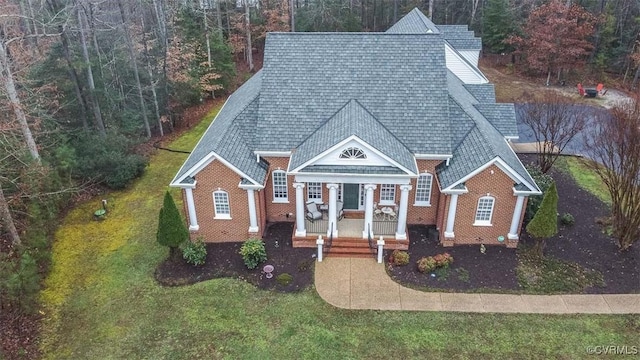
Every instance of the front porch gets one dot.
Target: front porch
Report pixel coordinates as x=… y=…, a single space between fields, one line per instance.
x=350 y=242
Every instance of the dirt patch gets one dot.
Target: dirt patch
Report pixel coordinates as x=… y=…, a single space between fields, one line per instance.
x=224 y=260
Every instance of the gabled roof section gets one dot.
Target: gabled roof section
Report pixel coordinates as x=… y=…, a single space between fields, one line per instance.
x=501 y=117
x=415 y=22
x=481 y=145
x=398 y=78
x=484 y=93
x=460 y=37
x=227 y=138
x=353 y=120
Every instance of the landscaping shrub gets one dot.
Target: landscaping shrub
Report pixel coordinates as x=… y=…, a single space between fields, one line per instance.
x=544 y=181
x=284 y=279
x=426 y=264
x=172 y=232
x=194 y=252
x=399 y=258
x=253 y=252
x=567 y=219
x=430 y=263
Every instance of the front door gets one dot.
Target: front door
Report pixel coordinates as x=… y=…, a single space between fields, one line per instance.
x=351 y=196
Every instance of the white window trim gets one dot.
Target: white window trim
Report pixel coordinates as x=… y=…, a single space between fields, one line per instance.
x=485 y=222
x=388 y=202
x=428 y=202
x=215 y=208
x=280 y=200
x=316 y=200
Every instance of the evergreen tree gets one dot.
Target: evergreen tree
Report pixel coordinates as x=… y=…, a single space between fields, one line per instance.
x=497 y=25
x=545 y=222
x=172 y=232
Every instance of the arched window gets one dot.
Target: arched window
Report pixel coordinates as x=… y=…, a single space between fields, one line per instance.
x=353 y=153
x=484 y=212
x=221 y=205
x=280 y=190
x=423 y=189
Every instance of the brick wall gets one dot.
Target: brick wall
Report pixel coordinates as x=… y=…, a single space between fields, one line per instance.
x=278 y=211
x=217 y=175
x=496 y=183
x=423 y=214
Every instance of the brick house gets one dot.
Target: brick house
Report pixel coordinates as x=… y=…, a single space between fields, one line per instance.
x=393 y=128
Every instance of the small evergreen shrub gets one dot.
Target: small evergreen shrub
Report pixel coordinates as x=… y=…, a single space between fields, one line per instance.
x=172 y=231
x=284 y=279
x=567 y=219
x=544 y=182
x=253 y=253
x=399 y=258
x=194 y=252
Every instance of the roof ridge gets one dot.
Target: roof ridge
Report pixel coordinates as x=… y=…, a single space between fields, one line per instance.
x=381 y=124
x=323 y=123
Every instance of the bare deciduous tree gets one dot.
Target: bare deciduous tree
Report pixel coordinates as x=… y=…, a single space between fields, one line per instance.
x=554 y=121
x=612 y=143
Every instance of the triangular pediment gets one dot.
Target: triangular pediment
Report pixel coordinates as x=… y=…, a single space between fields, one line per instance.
x=352 y=137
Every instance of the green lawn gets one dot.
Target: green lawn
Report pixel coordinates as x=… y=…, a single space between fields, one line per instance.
x=101 y=302
x=585 y=177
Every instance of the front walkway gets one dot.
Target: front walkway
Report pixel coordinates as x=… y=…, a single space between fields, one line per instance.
x=363 y=284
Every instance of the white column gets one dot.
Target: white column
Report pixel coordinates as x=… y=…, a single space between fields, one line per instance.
x=320 y=243
x=300 y=203
x=451 y=217
x=253 y=217
x=368 y=210
x=333 y=197
x=193 y=220
x=515 y=220
x=401 y=232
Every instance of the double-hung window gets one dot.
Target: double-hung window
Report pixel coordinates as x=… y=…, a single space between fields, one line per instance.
x=280 y=190
x=423 y=189
x=387 y=194
x=221 y=205
x=484 y=212
x=314 y=192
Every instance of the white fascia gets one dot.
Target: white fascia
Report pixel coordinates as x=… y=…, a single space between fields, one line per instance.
x=342 y=143
x=352 y=178
x=250 y=186
x=206 y=161
x=501 y=165
x=525 y=192
x=433 y=156
x=455 y=191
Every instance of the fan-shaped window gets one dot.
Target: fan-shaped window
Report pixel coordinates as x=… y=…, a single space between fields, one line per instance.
x=353 y=153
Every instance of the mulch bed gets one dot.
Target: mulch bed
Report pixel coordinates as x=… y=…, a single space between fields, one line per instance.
x=224 y=260
x=583 y=243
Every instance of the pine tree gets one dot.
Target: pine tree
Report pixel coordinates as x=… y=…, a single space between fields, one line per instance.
x=545 y=222
x=497 y=25
x=172 y=232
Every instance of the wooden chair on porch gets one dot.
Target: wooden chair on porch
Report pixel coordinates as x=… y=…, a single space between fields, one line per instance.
x=312 y=211
x=340 y=210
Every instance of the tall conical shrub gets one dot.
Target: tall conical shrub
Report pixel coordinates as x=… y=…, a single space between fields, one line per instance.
x=171 y=229
x=545 y=222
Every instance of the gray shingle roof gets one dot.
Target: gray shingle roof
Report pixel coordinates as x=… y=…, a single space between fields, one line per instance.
x=352 y=119
x=480 y=145
x=501 y=117
x=391 y=90
x=309 y=75
x=227 y=135
x=484 y=93
x=415 y=22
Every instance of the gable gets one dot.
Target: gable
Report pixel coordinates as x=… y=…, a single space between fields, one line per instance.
x=462 y=68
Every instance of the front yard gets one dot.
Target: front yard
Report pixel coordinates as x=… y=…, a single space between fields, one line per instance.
x=102 y=301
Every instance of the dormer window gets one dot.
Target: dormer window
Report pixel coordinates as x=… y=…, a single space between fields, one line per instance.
x=353 y=153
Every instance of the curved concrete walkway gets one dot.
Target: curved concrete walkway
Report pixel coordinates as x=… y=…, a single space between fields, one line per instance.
x=363 y=284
